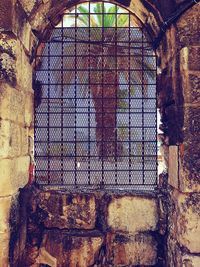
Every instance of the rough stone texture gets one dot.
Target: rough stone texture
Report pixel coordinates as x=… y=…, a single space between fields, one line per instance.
x=189 y=58
x=71 y=250
x=75 y=211
x=13 y=174
x=12 y=104
x=185 y=216
x=189 y=166
x=4 y=243
x=5 y=20
x=128 y=250
x=188 y=28
x=132 y=214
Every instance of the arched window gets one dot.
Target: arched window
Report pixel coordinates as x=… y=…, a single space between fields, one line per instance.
x=96 y=125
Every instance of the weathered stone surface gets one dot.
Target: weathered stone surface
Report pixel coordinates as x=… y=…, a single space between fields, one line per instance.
x=24 y=71
x=12 y=104
x=75 y=211
x=132 y=214
x=61 y=249
x=28 y=5
x=5 y=20
x=173 y=167
x=190 y=78
x=186 y=220
x=7 y=69
x=189 y=163
x=13 y=175
x=13 y=140
x=127 y=250
x=190 y=261
x=29 y=109
x=188 y=27
x=177 y=257
x=4 y=244
x=191 y=124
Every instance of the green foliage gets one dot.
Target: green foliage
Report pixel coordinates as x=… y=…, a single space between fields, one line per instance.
x=104 y=17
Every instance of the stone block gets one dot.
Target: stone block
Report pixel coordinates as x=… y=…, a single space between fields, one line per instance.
x=12 y=104
x=13 y=175
x=10 y=139
x=4 y=251
x=127 y=250
x=188 y=27
x=4 y=138
x=5 y=204
x=75 y=211
x=190 y=78
x=173 y=171
x=132 y=214
x=24 y=71
x=190 y=261
x=61 y=249
x=189 y=164
x=29 y=109
x=24 y=141
x=185 y=220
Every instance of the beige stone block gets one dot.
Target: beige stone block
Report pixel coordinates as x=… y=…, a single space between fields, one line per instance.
x=24 y=70
x=190 y=261
x=127 y=250
x=190 y=78
x=188 y=27
x=4 y=251
x=12 y=103
x=5 y=204
x=13 y=140
x=132 y=214
x=4 y=138
x=29 y=109
x=186 y=220
x=24 y=141
x=14 y=174
x=173 y=167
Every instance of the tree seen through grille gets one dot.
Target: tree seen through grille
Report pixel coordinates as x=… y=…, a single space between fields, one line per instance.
x=96 y=123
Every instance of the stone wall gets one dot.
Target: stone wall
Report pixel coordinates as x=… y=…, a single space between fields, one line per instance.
x=23 y=24
x=82 y=229
x=179 y=105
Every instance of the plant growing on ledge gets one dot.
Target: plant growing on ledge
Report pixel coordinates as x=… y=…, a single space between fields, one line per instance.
x=105 y=61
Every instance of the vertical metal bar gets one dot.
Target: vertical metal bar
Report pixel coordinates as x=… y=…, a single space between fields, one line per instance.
x=156 y=125
x=143 y=133
x=62 y=89
x=129 y=97
x=102 y=98
x=75 y=94
x=116 y=98
x=89 y=95
x=48 y=114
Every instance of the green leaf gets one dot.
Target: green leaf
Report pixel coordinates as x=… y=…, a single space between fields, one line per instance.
x=123 y=20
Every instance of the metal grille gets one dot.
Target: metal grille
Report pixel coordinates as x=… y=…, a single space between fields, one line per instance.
x=96 y=125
